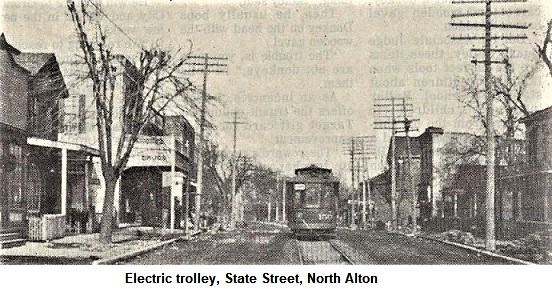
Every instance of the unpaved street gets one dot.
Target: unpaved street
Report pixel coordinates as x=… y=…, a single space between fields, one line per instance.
x=265 y=244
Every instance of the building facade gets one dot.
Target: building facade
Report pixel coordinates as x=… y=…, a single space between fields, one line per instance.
x=34 y=174
x=406 y=184
x=159 y=170
x=532 y=185
x=445 y=156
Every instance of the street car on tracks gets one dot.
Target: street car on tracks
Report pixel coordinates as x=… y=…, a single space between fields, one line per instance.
x=312 y=202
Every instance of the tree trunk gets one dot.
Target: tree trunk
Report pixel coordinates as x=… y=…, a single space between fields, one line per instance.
x=106 y=227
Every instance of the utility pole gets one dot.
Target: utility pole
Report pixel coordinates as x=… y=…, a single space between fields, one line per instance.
x=363 y=162
x=352 y=156
x=205 y=69
x=277 y=191
x=357 y=148
x=385 y=110
x=490 y=238
x=394 y=213
x=367 y=144
x=234 y=209
x=407 y=127
x=283 y=198
x=269 y=208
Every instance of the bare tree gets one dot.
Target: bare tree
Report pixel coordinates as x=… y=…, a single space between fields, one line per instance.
x=544 y=49
x=149 y=84
x=262 y=185
x=509 y=92
x=218 y=178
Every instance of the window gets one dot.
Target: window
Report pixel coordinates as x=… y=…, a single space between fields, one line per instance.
x=317 y=195
x=70 y=115
x=15 y=177
x=34 y=188
x=187 y=145
x=82 y=113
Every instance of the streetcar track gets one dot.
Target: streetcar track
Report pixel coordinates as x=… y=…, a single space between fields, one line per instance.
x=300 y=252
x=321 y=252
x=343 y=254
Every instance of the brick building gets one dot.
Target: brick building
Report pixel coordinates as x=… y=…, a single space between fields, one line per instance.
x=381 y=184
x=538 y=198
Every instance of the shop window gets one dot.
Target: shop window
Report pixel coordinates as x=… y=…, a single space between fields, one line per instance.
x=15 y=177
x=82 y=113
x=34 y=178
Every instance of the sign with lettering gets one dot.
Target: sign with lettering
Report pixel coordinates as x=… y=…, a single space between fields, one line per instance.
x=299 y=187
x=152 y=151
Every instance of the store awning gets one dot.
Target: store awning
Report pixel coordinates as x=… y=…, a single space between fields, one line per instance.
x=62 y=145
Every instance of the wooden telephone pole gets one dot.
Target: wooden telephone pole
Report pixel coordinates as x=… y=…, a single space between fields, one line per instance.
x=367 y=144
x=407 y=128
x=386 y=110
x=490 y=242
x=210 y=64
x=359 y=148
x=234 y=208
x=350 y=151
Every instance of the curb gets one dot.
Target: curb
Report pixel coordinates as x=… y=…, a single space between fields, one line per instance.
x=128 y=255
x=480 y=251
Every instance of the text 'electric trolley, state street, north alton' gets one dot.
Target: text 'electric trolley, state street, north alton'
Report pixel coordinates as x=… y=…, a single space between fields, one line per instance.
x=311 y=201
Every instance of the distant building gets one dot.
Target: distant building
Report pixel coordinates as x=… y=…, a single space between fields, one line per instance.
x=536 y=182
x=381 y=184
x=452 y=191
x=443 y=156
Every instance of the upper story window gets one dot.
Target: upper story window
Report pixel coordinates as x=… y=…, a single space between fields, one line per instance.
x=74 y=114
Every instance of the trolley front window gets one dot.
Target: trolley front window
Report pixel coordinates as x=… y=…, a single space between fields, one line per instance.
x=316 y=195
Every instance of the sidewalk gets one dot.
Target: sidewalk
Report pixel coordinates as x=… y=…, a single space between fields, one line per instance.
x=126 y=241
x=519 y=250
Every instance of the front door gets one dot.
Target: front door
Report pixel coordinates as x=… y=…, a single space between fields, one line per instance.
x=140 y=200
x=3 y=199
x=76 y=199
x=12 y=199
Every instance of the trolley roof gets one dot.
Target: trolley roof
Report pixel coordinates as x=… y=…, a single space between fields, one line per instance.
x=313 y=173
x=314 y=169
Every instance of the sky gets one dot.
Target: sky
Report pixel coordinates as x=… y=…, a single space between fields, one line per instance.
x=304 y=76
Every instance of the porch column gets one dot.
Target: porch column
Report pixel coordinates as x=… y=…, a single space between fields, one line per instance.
x=277 y=217
x=455 y=204
x=87 y=200
x=173 y=181
x=64 y=181
x=544 y=188
x=283 y=199
x=519 y=192
x=475 y=204
x=269 y=208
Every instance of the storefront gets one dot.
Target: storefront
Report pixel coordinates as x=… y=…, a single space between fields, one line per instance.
x=13 y=180
x=154 y=183
x=65 y=186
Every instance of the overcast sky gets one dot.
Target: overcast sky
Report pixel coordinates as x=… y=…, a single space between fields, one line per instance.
x=302 y=76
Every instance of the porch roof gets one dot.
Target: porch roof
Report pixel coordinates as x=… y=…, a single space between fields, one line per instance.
x=62 y=145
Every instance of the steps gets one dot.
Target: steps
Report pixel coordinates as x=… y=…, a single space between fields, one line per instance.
x=11 y=239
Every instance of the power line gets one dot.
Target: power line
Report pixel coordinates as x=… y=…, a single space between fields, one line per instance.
x=388 y=119
x=204 y=68
x=116 y=25
x=233 y=215
x=490 y=154
x=355 y=147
